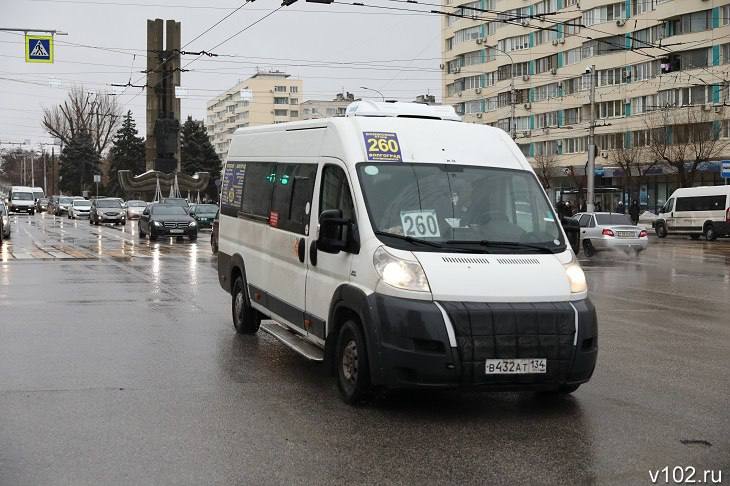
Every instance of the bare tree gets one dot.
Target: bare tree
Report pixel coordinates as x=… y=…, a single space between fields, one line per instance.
x=682 y=139
x=635 y=163
x=544 y=166
x=97 y=114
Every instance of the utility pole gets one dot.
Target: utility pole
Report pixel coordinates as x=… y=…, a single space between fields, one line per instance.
x=45 y=173
x=512 y=97
x=591 y=167
x=32 y=170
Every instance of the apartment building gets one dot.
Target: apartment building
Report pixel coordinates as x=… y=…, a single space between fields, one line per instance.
x=264 y=98
x=312 y=109
x=650 y=56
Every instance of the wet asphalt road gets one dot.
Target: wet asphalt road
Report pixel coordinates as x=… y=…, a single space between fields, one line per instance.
x=119 y=365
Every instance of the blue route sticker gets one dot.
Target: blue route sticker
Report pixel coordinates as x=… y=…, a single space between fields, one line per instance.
x=382 y=146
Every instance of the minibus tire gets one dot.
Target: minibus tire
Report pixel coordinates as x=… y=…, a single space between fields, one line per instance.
x=246 y=319
x=588 y=249
x=710 y=234
x=355 y=387
x=661 y=231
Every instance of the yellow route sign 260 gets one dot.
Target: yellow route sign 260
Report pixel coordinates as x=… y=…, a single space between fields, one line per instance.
x=38 y=48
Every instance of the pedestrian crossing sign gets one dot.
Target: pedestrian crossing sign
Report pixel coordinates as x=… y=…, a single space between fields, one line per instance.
x=38 y=48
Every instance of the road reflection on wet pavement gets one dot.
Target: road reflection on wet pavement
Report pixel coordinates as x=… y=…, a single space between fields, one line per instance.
x=119 y=365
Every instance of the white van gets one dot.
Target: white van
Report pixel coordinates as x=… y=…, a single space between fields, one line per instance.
x=21 y=199
x=404 y=248
x=696 y=211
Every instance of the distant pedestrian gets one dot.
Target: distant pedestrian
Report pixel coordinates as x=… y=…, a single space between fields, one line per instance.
x=620 y=208
x=634 y=212
x=599 y=208
x=583 y=208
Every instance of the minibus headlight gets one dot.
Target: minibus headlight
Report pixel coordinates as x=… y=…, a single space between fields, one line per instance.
x=400 y=273
x=576 y=278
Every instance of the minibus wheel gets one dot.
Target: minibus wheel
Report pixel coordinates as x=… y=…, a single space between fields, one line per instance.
x=710 y=234
x=353 y=370
x=246 y=319
x=661 y=231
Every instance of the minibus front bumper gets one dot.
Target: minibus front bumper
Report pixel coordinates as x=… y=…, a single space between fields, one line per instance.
x=413 y=347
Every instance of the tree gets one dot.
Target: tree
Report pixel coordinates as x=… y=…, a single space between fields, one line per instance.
x=79 y=162
x=94 y=114
x=682 y=139
x=127 y=153
x=544 y=167
x=635 y=164
x=197 y=153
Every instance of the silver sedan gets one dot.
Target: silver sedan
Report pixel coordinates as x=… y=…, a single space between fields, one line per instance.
x=610 y=231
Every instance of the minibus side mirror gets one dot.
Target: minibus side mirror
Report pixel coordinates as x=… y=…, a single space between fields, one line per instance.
x=572 y=231
x=332 y=231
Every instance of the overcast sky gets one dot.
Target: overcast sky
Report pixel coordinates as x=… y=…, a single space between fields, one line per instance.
x=402 y=50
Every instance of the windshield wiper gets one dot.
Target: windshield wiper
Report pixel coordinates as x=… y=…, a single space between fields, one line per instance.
x=502 y=244
x=418 y=241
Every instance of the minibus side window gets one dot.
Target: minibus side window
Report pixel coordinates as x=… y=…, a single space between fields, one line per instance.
x=292 y=191
x=335 y=193
x=258 y=188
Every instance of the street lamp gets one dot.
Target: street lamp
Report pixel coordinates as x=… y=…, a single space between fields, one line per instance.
x=512 y=127
x=371 y=89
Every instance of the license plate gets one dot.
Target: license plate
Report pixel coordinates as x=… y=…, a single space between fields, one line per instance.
x=176 y=231
x=515 y=366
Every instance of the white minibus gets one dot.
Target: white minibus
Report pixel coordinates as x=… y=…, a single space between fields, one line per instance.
x=403 y=248
x=21 y=199
x=696 y=211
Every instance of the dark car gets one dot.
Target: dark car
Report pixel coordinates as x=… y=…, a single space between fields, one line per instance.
x=107 y=210
x=204 y=214
x=167 y=220
x=41 y=204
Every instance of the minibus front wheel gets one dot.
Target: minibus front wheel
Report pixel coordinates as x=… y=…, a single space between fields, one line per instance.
x=246 y=319
x=353 y=369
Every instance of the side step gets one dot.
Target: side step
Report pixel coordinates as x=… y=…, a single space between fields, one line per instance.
x=294 y=341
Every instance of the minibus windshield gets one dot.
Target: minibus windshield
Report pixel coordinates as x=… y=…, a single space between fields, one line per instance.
x=22 y=196
x=459 y=206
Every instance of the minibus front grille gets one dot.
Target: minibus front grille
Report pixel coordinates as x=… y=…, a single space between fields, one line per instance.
x=513 y=331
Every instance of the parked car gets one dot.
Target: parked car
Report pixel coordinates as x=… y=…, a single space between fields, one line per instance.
x=41 y=204
x=79 y=208
x=107 y=210
x=696 y=211
x=610 y=231
x=135 y=208
x=167 y=220
x=204 y=214
x=177 y=201
x=4 y=221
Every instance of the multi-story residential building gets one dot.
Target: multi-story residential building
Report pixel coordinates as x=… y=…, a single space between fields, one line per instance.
x=264 y=98
x=325 y=108
x=651 y=58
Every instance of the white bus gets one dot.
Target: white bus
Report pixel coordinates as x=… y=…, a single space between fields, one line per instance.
x=696 y=211
x=403 y=248
x=20 y=199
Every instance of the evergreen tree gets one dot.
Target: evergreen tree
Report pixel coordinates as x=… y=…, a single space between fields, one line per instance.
x=197 y=154
x=127 y=153
x=79 y=162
